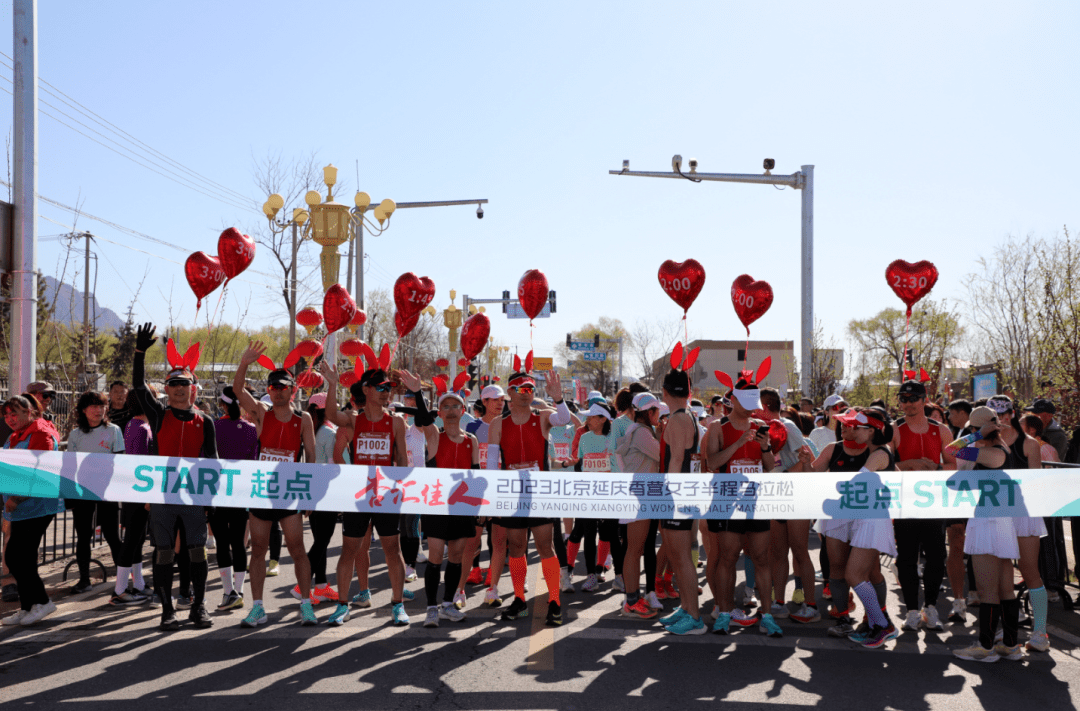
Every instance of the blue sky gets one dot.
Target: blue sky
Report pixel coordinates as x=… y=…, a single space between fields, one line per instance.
x=936 y=129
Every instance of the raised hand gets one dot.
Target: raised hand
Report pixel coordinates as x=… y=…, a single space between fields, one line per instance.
x=252 y=352
x=328 y=372
x=411 y=381
x=553 y=386
x=144 y=337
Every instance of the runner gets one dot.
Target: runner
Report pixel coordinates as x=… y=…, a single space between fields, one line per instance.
x=378 y=439
x=494 y=400
x=448 y=448
x=919 y=443
x=518 y=441
x=284 y=436
x=179 y=430
x=130 y=588
x=595 y=453
x=639 y=450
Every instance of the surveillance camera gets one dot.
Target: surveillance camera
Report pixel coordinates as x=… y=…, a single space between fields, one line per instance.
x=676 y=163
x=479 y=212
x=769 y=164
x=626 y=165
x=693 y=165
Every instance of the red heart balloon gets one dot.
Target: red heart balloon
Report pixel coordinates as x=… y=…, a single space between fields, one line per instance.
x=682 y=281
x=338 y=308
x=474 y=335
x=204 y=274
x=533 y=292
x=405 y=325
x=911 y=282
x=750 y=298
x=412 y=294
x=236 y=251
x=777 y=435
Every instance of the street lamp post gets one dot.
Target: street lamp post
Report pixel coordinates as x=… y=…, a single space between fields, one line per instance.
x=299 y=216
x=803 y=180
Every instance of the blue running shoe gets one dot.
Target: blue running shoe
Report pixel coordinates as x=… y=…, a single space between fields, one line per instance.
x=673 y=617
x=339 y=616
x=769 y=627
x=723 y=622
x=256 y=617
x=687 y=625
x=400 y=617
x=407 y=595
x=307 y=614
x=362 y=598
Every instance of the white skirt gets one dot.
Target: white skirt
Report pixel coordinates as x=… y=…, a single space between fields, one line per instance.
x=1029 y=526
x=991 y=536
x=874 y=534
x=836 y=528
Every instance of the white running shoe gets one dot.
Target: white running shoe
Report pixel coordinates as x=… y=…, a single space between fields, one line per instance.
x=447 y=611
x=15 y=619
x=38 y=613
x=912 y=621
x=564 y=581
x=460 y=599
x=421 y=558
x=654 y=602
x=1040 y=642
x=930 y=618
x=432 y=619
x=959 y=612
x=410 y=573
x=590 y=583
x=618 y=585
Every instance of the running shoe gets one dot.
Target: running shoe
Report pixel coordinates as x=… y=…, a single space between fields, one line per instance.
x=798 y=597
x=722 y=624
x=211 y=543
x=517 y=610
x=231 y=601
x=661 y=589
x=826 y=592
x=183 y=600
x=929 y=617
x=673 y=617
x=307 y=614
x=421 y=558
x=878 y=636
x=639 y=609
x=398 y=615
x=432 y=618
x=806 y=615
x=769 y=627
x=128 y=598
x=476 y=577
x=959 y=612
x=200 y=617
x=850 y=608
x=362 y=599
x=447 y=611
x=740 y=618
x=590 y=583
x=12 y=620
x=687 y=625
x=1039 y=642
x=324 y=593
x=295 y=592
x=669 y=589
x=912 y=621
x=80 y=587
x=861 y=634
x=37 y=613
x=339 y=616
x=272 y=568
x=487 y=578
x=565 y=585
x=169 y=623
x=146 y=591
x=842 y=628
x=976 y=653
x=256 y=617
x=891 y=632
x=407 y=595
x=749 y=598
x=779 y=610
x=410 y=573
x=1014 y=653
x=155 y=600
x=554 y=615
x=491 y=598
x=654 y=601
x=618 y=585
x=460 y=599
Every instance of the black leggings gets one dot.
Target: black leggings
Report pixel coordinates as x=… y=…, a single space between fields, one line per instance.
x=585 y=528
x=21 y=558
x=913 y=536
x=608 y=531
x=322 y=525
x=134 y=517
x=229 y=526
x=108 y=518
x=275 y=541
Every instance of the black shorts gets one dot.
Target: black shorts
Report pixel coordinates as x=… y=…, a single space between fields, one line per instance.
x=354 y=524
x=448 y=528
x=740 y=526
x=518 y=522
x=678 y=524
x=272 y=515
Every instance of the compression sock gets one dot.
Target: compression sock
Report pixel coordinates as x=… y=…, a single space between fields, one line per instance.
x=571 y=554
x=751 y=576
x=550 y=567
x=603 y=550
x=431 y=582
x=1010 y=621
x=136 y=576
x=122 y=575
x=453 y=576
x=632 y=598
x=519 y=567
x=798 y=583
x=840 y=595
x=868 y=597
x=986 y=625
x=238 y=582
x=882 y=593
x=163 y=585
x=1038 y=610
x=199 y=572
x=226 y=579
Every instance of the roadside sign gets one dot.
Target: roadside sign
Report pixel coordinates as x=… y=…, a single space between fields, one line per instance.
x=514 y=310
x=543 y=364
x=594 y=356
x=582 y=346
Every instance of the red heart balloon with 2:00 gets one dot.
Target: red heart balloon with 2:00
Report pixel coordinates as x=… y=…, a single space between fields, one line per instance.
x=204 y=274
x=532 y=292
x=474 y=335
x=750 y=298
x=338 y=308
x=682 y=281
x=911 y=282
x=236 y=251
x=412 y=294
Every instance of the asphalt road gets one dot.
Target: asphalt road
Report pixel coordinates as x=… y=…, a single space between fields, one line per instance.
x=116 y=659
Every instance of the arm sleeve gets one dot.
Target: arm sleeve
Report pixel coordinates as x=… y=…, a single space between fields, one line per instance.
x=423 y=417
x=561 y=416
x=153 y=409
x=961 y=450
x=492 y=456
x=209 y=448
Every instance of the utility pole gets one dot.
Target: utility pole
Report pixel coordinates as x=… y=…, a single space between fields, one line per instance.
x=86 y=304
x=24 y=293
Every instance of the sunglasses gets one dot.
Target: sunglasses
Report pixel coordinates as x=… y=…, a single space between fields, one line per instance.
x=177 y=382
x=527 y=389
x=383 y=387
x=277 y=386
x=908 y=399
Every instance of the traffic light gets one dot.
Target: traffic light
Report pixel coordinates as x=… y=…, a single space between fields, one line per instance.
x=551 y=299
x=910 y=358
x=596 y=341
x=472 y=369
x=568 y=340
x=506 y=300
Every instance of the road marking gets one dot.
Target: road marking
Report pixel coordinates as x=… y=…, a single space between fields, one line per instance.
x=541 y=655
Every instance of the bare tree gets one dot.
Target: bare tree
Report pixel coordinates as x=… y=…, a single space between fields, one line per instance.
x=651 y=341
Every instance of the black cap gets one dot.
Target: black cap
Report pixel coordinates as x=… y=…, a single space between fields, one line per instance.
x=913 y=387
x=374 y=378
x=1042 y=405
x=716 y=399
x=281 y=377
x=677 y=382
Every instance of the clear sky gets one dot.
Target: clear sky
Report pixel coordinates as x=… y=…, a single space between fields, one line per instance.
x=936 y=130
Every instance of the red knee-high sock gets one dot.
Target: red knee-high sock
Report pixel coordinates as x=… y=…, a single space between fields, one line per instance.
x=571 y=554
x=550 y=567
x=602 y=552
x=518 y=568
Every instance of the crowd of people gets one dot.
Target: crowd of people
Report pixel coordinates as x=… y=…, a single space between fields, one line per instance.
x=517 y=429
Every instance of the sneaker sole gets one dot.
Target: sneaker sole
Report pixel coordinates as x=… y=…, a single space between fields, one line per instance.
x=339 y=621
x=431 y=624
x=256 y=623
x=987 y=659
x=691 y=632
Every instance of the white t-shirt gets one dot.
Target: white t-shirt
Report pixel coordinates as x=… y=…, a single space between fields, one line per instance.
x=103 y=439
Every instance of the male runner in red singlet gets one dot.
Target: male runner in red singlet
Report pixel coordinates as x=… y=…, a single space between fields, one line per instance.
x=519 y=441
x=920 y=443
x=284 y=435
x=378 y=439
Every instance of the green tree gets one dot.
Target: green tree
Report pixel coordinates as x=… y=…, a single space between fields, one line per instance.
x=599 y=375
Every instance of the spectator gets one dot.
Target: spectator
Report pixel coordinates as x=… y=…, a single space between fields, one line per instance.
x=119 y=413
x=1033 y=427
x=827 y=432
x=959 y=411
x=1052 y=432
x=45 y=394
x=806 y=405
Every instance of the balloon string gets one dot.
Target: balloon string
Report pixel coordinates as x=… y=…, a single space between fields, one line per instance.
x=686 y=329
x=746 y=353
x=210 y=317
x=907 y=326
x=393 y=351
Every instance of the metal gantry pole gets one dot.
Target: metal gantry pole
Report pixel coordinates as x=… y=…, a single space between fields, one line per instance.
x=359 y=298
x=807 y=277
x=24 y=299
x=292 y=293
x=86 y=304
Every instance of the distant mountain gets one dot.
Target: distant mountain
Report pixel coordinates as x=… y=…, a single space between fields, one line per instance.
x=69 y=307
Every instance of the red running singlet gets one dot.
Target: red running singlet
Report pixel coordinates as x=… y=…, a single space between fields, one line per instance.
x=747 y=458
x=454 y=455
x=915 y=446
x=373 y=442
x=180 y=439
x=281 y=441
x=523 y=446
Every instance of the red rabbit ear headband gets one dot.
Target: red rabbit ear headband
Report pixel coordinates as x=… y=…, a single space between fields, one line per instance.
x=189 y=361
x=924 y=377
x=369 y=361
x=305 y=349
x=747 y=389
x=528 y=364
x=678 y=362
